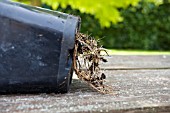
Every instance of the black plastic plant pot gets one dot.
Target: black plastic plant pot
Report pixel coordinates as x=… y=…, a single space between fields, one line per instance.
x=36 y=49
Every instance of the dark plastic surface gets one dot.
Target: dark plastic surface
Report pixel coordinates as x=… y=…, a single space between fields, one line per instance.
x=35 y=49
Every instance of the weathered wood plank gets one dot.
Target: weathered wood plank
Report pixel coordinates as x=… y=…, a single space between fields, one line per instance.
x=134 y=89
x=137 y=62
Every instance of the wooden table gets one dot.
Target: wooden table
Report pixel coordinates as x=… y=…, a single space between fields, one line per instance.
x=141 y=84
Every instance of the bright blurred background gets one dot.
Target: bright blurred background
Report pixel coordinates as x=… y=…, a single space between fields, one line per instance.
x=119 y=24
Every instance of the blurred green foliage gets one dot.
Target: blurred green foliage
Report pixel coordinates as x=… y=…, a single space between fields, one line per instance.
x=145 y=25
x=105 y=11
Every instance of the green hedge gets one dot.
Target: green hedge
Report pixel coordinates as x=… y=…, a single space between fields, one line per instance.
x=146 y=27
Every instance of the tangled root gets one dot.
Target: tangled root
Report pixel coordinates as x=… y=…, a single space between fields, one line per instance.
x=87 y=55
